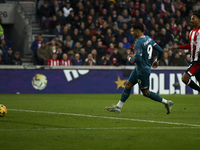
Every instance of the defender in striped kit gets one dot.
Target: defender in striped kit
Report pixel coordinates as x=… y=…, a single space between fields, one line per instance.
x=194 y=47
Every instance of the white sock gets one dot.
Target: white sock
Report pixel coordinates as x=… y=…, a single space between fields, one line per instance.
x=164 y=101
x=120 y=104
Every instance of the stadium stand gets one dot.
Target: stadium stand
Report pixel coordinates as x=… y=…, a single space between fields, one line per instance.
x=165 y=21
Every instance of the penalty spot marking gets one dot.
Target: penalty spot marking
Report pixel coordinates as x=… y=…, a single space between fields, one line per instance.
x=106 y=117
x=112 y=128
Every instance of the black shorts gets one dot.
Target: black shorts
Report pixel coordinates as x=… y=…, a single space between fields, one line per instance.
x=194 y=70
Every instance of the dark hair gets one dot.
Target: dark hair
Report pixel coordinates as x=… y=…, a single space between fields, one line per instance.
x=138 y=26
x=196 y=14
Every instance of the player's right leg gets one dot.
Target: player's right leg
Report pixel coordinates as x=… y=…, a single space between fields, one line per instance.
x=125 y=94
x=193 y=69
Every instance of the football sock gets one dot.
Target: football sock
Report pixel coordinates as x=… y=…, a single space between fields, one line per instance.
x=125 y=94
x=164 y=101
x=120 y=104
x=155 y=96
x=193 y=85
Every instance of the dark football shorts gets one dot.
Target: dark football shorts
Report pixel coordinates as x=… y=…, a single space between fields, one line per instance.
x=194 y=70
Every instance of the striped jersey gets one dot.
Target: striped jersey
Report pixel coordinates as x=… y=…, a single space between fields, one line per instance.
x=67 y=62
x=53 y=62
x=194 y=44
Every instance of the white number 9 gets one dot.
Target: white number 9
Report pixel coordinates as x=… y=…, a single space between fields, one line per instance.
x=149 y=51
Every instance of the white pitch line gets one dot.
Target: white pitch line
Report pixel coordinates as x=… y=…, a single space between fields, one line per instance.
x=112 y=128
x=106 y=117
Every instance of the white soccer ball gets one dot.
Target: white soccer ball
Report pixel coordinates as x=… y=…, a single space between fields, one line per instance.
x=39 y=81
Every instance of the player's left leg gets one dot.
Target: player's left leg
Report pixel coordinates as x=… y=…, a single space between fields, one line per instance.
x=143 y=81
x=193 y=70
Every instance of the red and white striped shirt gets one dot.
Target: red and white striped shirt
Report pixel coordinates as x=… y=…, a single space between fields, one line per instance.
x=194 y=44
x=53 y=62
x=67 y=62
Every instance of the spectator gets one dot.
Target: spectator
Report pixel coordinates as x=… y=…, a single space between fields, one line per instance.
x=60 y=18
x=168 y=45
x=34 y=47
x=4 y=46
x=110 y=22
x=53 y=45
x=94 y=54
x=83 y=54
x=175 y=36
x=125 y=42
x=122 y=52
x=57 y=30
x=178 y=17
x=167 y=5
x=94 y=41
x=71 y=54
x=114 y=16
x=59 y=53
x=70 y=17
x=110 y=48
x=107 y=37
x=65 y=61
x=100 y=50
x=87 y=35
x=177 y=4
x=66 y=9
x=131 y=9
x=46 y=13
x=88 y=47
x=75 y=35
x=55 y=7
x=81 y=40
x=105 y=60
x=17 y=60
x=81 y=16
x=9 y=57
x=58 y=41
x=125 y=16
x=70 y=41
x=165 y=61
x=164 y=38
x=43 y=53
x=77 y=47
x=77 y=61
x=89 y=61
x=178 y=60
x=53 y=22
x=99 y=34
x=116 y=58
x=53 y=61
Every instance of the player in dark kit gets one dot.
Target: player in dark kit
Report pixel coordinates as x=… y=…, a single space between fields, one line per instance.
x=194 y=47
x=143 y=52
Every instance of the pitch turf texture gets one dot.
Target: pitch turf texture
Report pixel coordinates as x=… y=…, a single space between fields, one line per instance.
x=81 y=122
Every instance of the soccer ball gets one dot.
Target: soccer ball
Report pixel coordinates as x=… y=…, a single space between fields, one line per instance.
x=39 y=81
x=3 y=110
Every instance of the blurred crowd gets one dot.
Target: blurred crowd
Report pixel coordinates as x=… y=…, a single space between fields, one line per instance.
x=97 y=32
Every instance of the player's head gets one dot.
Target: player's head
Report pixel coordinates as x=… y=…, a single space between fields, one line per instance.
x=137 y=29
x=195 y=19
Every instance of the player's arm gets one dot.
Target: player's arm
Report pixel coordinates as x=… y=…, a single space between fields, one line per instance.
x=159 y=55
x=186 y=46
x=136 y=58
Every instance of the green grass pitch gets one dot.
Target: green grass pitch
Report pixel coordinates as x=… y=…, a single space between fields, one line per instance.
x=80 y=122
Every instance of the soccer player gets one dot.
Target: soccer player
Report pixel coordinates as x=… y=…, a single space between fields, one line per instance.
x=194 y=47
x=143 y=52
